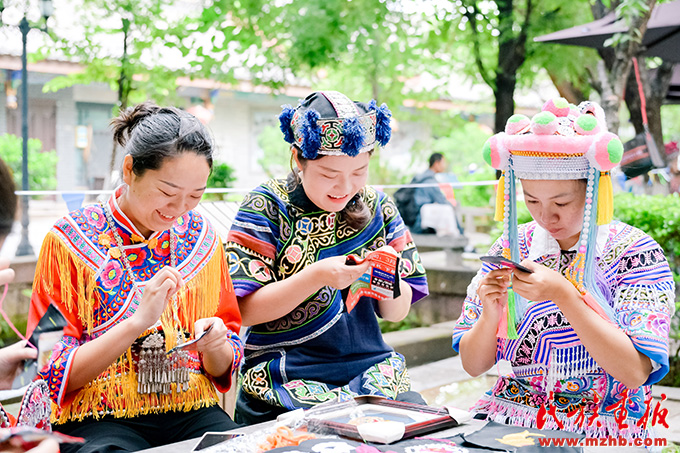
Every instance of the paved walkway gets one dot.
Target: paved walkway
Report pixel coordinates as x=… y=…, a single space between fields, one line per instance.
x=446 y=383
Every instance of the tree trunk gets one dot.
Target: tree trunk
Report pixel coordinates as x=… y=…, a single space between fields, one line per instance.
x=505 y=105
x=617 y=62
x=568 y=90
x=511 y=55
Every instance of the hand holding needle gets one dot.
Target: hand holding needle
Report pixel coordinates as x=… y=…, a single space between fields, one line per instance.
x=190 y=342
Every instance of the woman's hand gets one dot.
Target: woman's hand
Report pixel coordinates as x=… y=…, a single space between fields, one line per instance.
x=6 y=274
x=218 y=356
x=158 y=291
x=493 y=293
x=213 y=340
x=11 y=358
x=543 y=284
x=478 y=345
x=335 y=273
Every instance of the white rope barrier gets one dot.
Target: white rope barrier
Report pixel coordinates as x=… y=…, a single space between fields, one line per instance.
x=455 y=185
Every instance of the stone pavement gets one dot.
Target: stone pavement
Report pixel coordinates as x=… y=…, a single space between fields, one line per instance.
x=446 y=383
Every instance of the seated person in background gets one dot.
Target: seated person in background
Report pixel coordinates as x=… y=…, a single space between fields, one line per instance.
x=287 y=249
x=587 y=332
x=435 y=212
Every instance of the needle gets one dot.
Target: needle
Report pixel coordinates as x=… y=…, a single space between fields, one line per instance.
x=190 y=342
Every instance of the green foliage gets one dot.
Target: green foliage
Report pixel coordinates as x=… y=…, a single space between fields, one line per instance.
x=483 y=40
x=221 y=177
x=42 y=166
x=411 y=321
x=7 y=335
x=461 y=142
x=658 y=216
x=275 y=160
x=670 y=121
x=155 y=36
x=476 y=196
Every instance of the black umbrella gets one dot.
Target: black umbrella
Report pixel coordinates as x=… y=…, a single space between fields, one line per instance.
x=662 y=38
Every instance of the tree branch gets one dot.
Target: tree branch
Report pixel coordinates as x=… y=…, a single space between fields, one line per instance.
x=476 y=45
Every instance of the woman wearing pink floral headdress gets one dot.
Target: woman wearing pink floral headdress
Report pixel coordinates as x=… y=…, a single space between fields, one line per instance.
x=587 y=332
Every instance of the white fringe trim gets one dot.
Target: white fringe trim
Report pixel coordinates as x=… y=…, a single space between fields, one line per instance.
x=568 y=363
x=510 y=413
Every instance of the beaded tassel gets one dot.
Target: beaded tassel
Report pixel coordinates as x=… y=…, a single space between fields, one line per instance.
x=507 y=326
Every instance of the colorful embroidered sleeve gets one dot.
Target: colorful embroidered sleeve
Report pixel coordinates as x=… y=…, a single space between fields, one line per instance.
x=59 y=281
x=472 y=307
x=252 y=240
x=398 y=237
x=229 y=312
x=645 y=301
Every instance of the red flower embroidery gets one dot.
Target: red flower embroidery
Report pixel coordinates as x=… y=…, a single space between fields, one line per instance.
x=112 y=274
x=137 y=257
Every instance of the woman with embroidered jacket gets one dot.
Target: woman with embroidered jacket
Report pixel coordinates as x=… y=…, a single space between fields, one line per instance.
x=135 y=276
x=287 y=253
x=587 y=332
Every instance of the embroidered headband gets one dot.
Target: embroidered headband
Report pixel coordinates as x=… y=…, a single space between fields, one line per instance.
x=328 y=123
x=561 y=142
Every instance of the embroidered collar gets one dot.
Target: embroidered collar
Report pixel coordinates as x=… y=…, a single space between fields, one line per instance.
x=543 y=244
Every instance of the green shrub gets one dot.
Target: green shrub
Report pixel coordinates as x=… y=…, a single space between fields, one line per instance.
x=411 y=321
x=7 y=335
x=221 y=177
x=476 y=196
x=42 y=166
x=658 y=216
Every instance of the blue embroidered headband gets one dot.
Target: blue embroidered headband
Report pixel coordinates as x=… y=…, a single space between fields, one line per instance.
x=328 y=123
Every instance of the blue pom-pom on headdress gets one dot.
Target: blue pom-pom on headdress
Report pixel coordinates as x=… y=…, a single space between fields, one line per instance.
x=352 y=136
x=285 y=118
x=311 y=134
x=383 y=130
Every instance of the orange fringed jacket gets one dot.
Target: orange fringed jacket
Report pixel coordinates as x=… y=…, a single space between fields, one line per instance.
x=81 y=271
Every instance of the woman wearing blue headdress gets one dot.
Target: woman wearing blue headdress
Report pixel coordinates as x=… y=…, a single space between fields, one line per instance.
x=586 y=332
x=287 y=255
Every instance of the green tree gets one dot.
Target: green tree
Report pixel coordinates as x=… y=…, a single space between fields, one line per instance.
x=367 y=48
x=498 y=38
x=275 y=160
x=138 y=47
x=617 y=57
x=221 y=177
x=43 y=165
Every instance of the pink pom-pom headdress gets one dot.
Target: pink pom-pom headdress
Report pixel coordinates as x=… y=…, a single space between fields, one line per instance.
x=560 y=142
